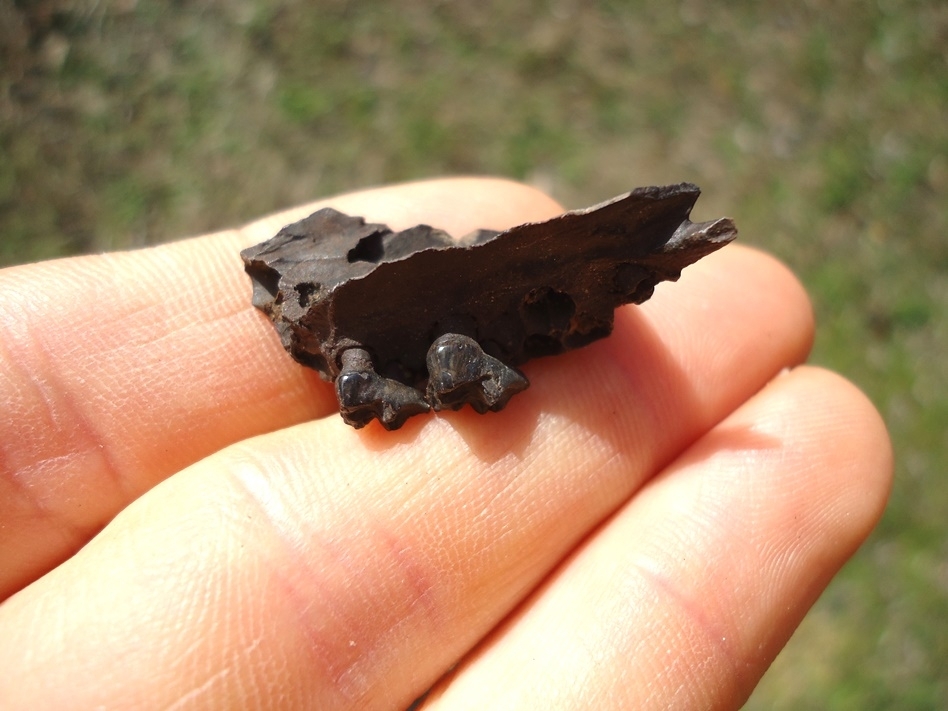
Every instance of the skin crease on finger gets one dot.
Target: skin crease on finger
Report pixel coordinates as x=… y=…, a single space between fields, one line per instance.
x=118 y=370
x=324 y=566
x=684 y=597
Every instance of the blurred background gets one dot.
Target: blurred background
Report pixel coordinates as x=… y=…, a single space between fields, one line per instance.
x=821 y=126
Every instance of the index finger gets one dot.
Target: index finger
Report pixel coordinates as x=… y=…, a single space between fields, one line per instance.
x=118 y=370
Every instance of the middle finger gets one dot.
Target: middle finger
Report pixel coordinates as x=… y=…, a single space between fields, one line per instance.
x=351 y=569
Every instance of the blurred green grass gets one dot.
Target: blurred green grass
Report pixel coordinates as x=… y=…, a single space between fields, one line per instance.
x=822 y=127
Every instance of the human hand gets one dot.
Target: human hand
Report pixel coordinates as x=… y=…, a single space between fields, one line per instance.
x=643 y=528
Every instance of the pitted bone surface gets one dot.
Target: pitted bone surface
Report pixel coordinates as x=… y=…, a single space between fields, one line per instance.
x=331 y=283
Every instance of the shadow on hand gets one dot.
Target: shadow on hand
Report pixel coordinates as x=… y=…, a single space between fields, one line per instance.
x=620 y=389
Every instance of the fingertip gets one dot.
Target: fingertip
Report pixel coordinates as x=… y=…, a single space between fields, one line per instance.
x=786 y=285
x=853 y=438
x=457 y=205
x=769 y=285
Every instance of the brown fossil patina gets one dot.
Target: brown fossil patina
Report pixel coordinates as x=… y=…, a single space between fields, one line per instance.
x=405 y=322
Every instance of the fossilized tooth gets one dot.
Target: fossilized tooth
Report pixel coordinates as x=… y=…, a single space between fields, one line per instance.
x=412 y=320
